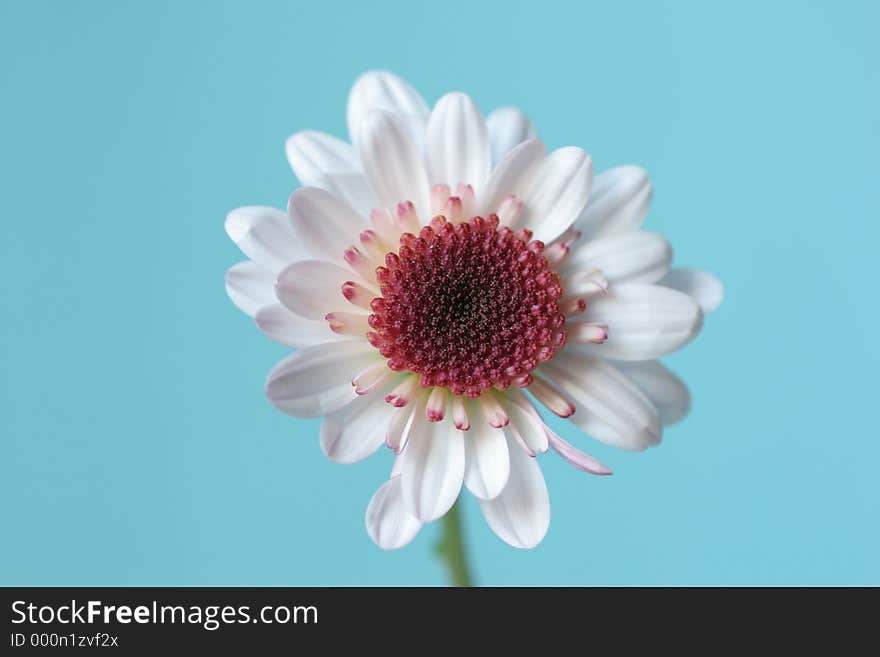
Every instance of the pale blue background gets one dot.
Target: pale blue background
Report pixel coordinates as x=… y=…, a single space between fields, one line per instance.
x=137 y=447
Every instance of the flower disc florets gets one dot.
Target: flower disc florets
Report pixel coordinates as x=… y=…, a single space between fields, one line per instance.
x=467 y=306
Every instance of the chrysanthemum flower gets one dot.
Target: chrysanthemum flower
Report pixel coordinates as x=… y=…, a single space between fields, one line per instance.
x=443 y=275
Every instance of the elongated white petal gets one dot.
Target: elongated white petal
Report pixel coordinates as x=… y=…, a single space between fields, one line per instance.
x=487 y=462
x=580 y=460
x=354 y=323
x=460 y=415
x=587 y=332
x=633 y=257
x=250 y=287
x=644 y=321
x=432 y=469
x=508 y=127
x=492 y=410
x=356 y=430
x=701 y=285
x=382 y=90
x=457 y=146
x=667 y=392
x=406 y=391
x=525 y=421
x=558 y=193
x=392 y=163
x=520 y=515
x=265 y=236
x=512 y=176
x=401 y=426
x=389 y=523
x=551 y=398
x=610 y=407
x=312 y=288
x=435 y=407
x=292 y=330
x=619 y=202
x=317 y=380
x=323 y=223
x=314 y=154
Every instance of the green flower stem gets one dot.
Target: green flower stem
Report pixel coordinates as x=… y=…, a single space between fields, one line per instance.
x=451 y=550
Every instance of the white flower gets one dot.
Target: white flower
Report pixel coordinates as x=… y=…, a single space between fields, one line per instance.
x=440 y=276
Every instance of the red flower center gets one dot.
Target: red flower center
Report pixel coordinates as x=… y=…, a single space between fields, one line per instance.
x=468 y=306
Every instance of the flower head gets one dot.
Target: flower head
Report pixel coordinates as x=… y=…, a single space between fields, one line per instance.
x=444 y=275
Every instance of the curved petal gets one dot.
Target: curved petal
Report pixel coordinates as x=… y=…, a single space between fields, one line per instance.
x=667 y=392
x=609 y=407
x=487 y=462
x=312 y=288
x=700 y=285
x=402 y=422
x=382 y=90
x=644 y=321
x=525 y=422
x=432 y=468
x=317 y=380
x=389 y=523
x=314 y=154
x=619 y=202
x=287 y=328
x=513 y=175
x=392 y=163
x=356 y=430
x=580 y=460
x=520 y=515
x=352 y=188
x=558 y=193
x=250 y=287
x=264 y=235
x=508 y=127
x=634 y=257
x=323 y=223
x=457 y=146
x=321 y=160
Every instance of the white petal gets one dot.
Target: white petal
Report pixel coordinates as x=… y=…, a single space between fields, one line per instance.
x=401 y=425
x=619 y=202
x=292 y=330
x=487 y=462
x=520 y=515
x=701 y=285
x=634 y=257
x=323 y=223
x=381 y=90
x=610 y=407
x=513 y=175
x=432 y=469
x=250 y=286
x=264 y=235
x=312 y=288
x=317 y=380
x=457 y=143
x=667 y=392
x=352 y=188
x=580 y=460
x=508 y=127
x=356 y=430
x=392 y=163
x=644 y=321
x=314 y=154
x=525 y=421
x=389 y=523
x=558 y=193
